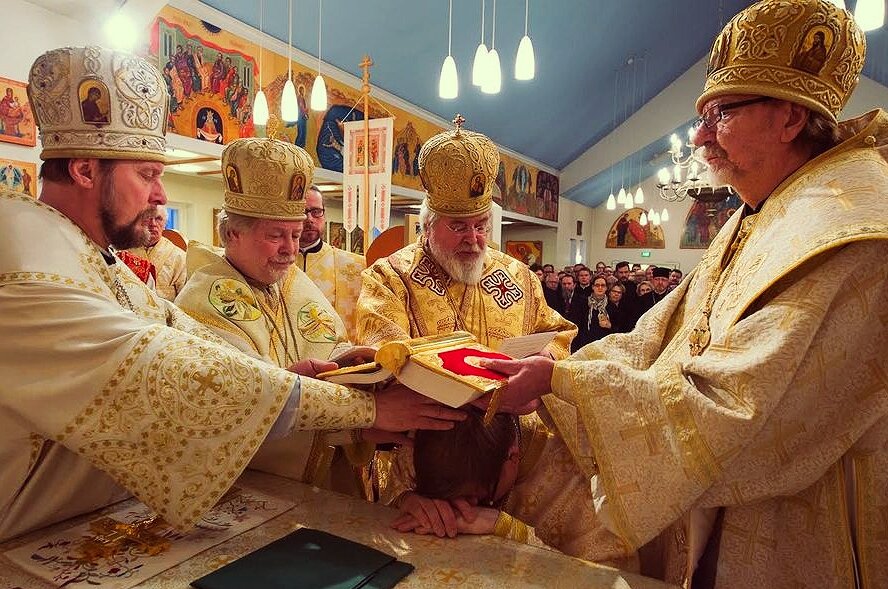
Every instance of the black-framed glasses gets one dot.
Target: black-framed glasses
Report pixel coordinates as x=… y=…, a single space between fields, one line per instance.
x=715 y=113
x=316 y=212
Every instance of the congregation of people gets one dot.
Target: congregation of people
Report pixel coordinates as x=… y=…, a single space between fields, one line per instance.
x=700 y=429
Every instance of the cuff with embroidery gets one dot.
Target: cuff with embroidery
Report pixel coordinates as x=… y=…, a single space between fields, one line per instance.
x=325 y=405
x=512 y=528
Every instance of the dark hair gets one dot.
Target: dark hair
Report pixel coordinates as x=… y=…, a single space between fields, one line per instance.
x=470 y=455
x=534 y=267
x=620 y=265
x=820 y=134
x=56 y=169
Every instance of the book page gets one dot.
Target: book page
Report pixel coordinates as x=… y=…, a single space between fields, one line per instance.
x=526 y=345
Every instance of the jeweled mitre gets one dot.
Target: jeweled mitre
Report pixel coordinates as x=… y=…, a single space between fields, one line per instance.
x=266 y=178
x=458 y=170
x=96 y=103
x=806 y=51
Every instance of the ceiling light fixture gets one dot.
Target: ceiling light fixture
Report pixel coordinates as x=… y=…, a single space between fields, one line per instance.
x=493 y=81
x=479 y=65
x=448 y=85
x=870 y=14
x=525 y=63
x=260 y=103
x=319 y=88
x=289 y=102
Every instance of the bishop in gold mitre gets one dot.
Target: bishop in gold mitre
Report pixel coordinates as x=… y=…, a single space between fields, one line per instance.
x=109 y=390
x=450 y=279
x=253 y=295
x=738 y=435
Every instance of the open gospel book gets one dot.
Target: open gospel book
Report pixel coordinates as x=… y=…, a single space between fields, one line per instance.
x=442 y=367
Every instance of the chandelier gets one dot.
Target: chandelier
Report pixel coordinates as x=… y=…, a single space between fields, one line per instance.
x=686 y=176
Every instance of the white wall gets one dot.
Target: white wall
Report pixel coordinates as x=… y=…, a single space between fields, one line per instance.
x=35 y=31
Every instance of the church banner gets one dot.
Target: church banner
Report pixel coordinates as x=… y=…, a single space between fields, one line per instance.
x=374 y=158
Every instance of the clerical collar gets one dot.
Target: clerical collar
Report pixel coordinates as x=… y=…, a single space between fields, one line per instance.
x=313 y=248
x=110 y=258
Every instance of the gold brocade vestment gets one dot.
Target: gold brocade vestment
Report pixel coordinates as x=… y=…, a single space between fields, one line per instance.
x=337 y=273
x=775 y=436
x=109 y=389
x=286 y=322
x=169 y=261
x=408 y=295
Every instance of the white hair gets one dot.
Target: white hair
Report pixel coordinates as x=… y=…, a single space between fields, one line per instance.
x=228 y=223
x=426 y=216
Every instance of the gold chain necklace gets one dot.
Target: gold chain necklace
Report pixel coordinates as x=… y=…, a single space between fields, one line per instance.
x=276 y=313
x=700 y=336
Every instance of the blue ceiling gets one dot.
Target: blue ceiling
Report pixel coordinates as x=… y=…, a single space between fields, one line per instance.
x=582 y=48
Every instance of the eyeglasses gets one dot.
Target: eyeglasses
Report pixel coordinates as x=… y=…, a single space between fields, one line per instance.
x=316 y=212
x=463 y=229
x=715 y=113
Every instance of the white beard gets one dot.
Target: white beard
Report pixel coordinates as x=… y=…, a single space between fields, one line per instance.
x=464 y=272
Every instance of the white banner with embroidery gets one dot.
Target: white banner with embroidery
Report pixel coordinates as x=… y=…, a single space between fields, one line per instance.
x=130 y=545
x=374 y=158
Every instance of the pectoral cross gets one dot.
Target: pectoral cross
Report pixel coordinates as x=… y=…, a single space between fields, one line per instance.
x=700 y=336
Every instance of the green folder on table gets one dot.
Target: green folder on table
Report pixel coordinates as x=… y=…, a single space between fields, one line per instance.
x=309 y=559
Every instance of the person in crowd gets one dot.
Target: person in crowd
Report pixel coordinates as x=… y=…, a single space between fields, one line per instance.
x=731 y=433
x=597 y=322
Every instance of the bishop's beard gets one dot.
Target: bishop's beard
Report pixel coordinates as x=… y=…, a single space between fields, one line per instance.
x=465 y=271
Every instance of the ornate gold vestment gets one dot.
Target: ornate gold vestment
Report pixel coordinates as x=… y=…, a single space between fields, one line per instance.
x=169 y=260
x=109 y=389
x=287 y=322
x=775 y=435
x=408 y=295
x=338 y=274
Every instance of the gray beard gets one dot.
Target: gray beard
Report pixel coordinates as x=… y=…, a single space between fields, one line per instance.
x=464 y=272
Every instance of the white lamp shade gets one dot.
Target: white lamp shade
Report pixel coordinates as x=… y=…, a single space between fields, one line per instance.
x=121 y=31
x=839 y=3
x=479 y=65
x=493 y=82
x=639 y=196
x=289 y=103
x=260 y=108
x=665 y=216
x=663 y=176
x=870 y=14
x=319 y=94
x=525 y=64
x=627 y=204
x=621 y=196
x=656 y=219
x=448 y=85
x=611 y=202
x=643 y=219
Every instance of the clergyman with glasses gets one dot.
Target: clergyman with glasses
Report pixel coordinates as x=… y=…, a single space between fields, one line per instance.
x=743 y=425
x=335 y=271
x=451 y=280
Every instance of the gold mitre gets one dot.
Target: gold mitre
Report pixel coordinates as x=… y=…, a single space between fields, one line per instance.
x=266 y=178
x=92 y=102
x=806 y=51
x=458 y=170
